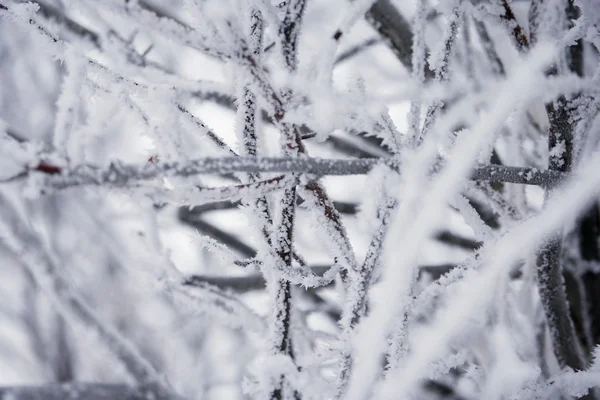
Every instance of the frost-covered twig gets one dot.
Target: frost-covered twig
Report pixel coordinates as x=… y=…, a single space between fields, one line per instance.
x=442 y=67
x=240 y=191
x=121 y=175
x=566 y=345
x=331 y=222
x=289 y=31
x=283 y=237
x=549 y=271
x=356 y=304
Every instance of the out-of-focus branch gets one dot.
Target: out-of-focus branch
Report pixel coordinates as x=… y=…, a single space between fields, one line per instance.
x=453 y=239
x=51 y=12
x=518 y=33
x=355 y=50
x=77 y=391
x=15 y=135
x=71 y=305
x=241 y=283
x=206 y=228
x=385 y=18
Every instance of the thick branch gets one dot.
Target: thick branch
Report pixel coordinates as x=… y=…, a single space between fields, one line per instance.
x=565 y=341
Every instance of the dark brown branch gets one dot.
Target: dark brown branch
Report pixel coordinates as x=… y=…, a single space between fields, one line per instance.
x=518 y=33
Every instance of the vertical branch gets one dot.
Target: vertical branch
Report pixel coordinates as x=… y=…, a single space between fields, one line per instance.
x=517 y=32
x=554 y=301
x=68 y=102
x=280 y=330
x=567 y=348
x=289 y=30
x=247 y=118
x=489 y=48
x=442 y=70
x=533 y=16
x=418 y=65
x=283 y=246
x=63 y=359
x=588 y=230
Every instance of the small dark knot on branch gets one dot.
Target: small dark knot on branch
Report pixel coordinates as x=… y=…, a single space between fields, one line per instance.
x=48 y=168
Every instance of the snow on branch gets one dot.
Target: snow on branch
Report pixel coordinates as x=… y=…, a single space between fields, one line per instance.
x=121 y=175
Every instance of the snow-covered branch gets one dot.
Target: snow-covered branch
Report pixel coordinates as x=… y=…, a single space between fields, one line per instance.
x=121 y=175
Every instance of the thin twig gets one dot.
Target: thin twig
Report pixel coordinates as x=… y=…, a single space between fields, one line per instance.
x=121 y=175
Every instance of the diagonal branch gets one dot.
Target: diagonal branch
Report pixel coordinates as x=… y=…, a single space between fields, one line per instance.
x=395 y=29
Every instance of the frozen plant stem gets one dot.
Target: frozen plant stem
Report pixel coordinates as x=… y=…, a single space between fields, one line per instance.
x=284 y=237
x=549 y=270
x=122 y=175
